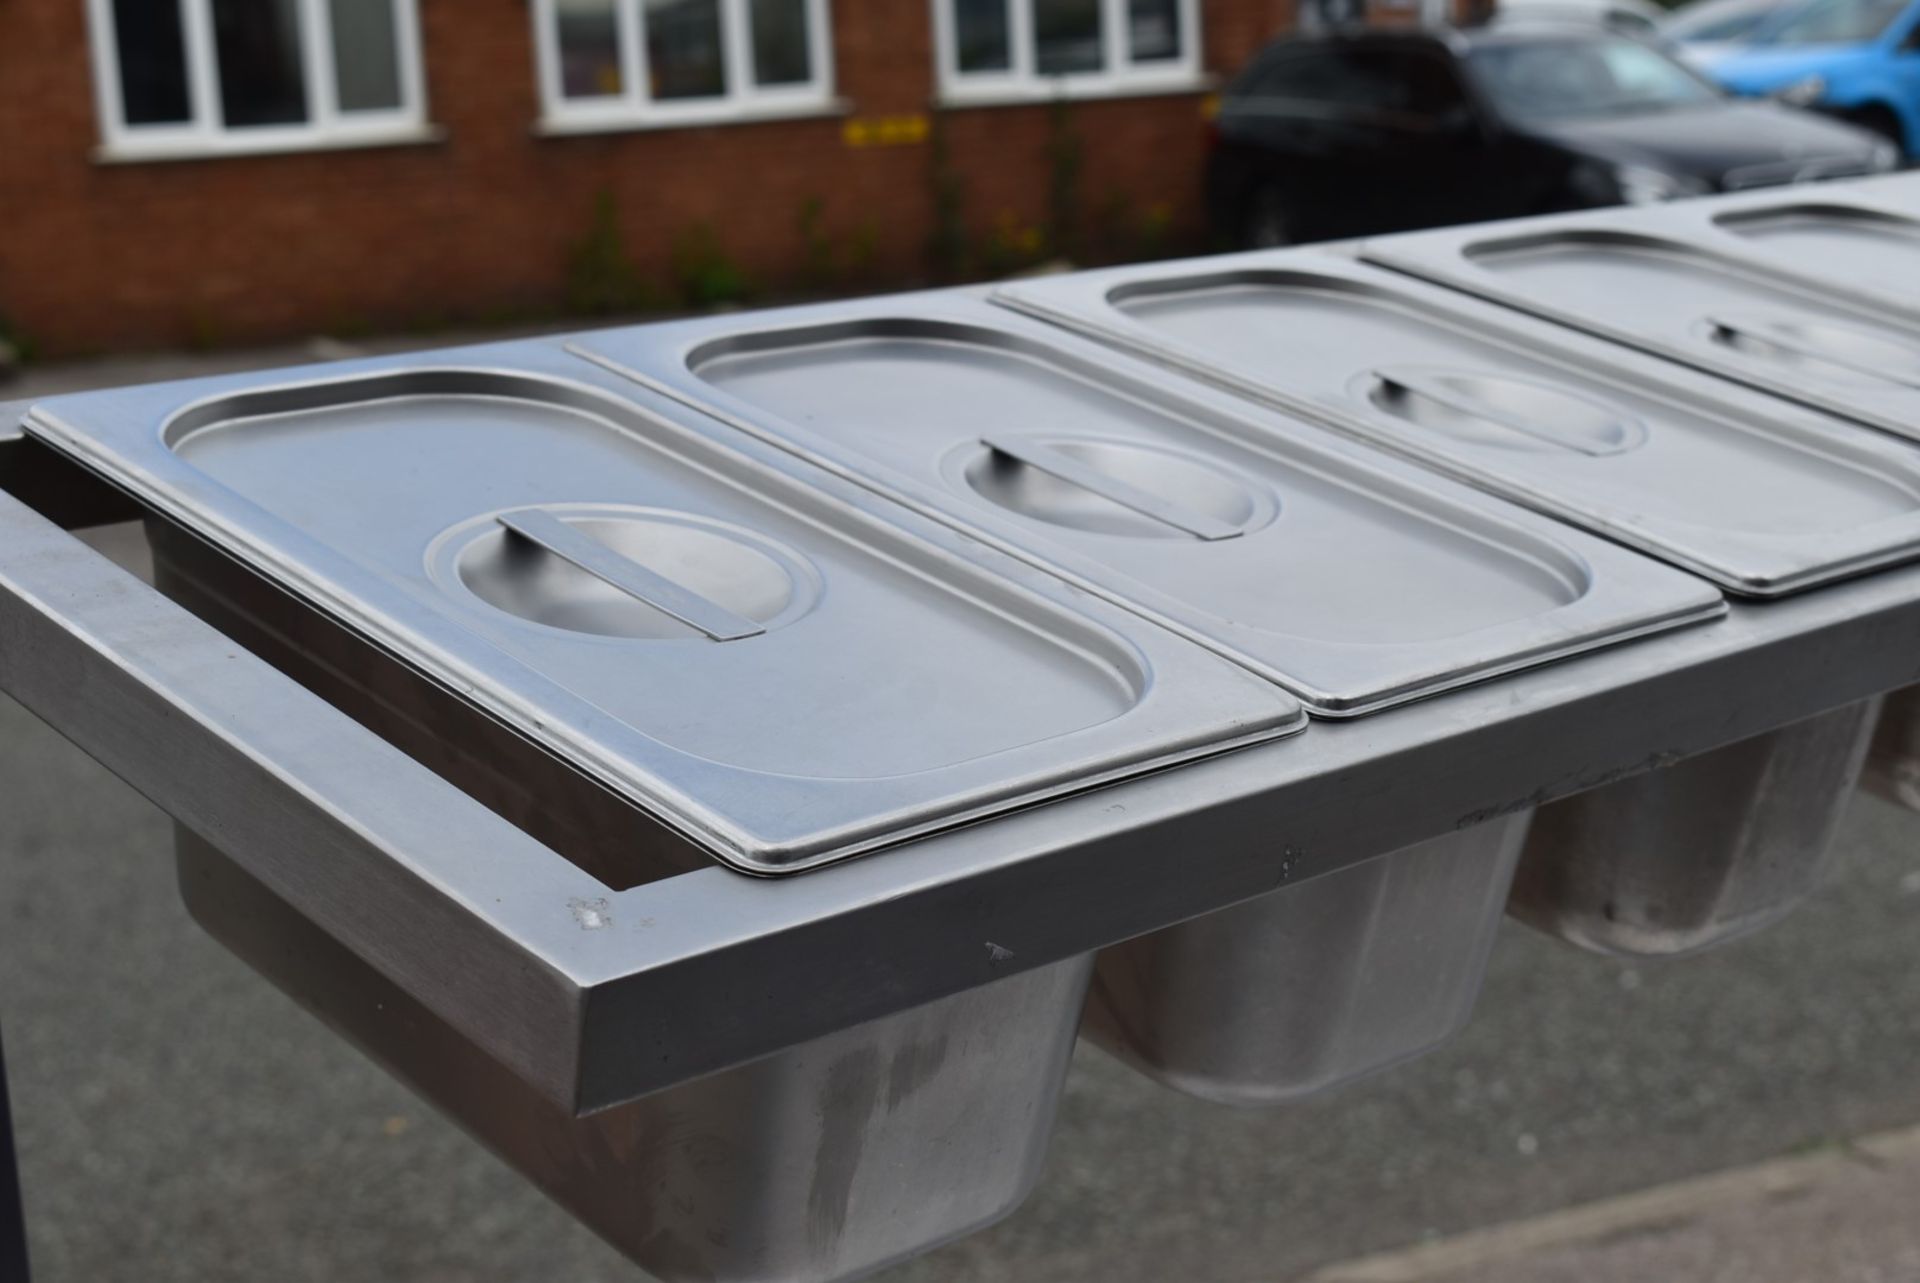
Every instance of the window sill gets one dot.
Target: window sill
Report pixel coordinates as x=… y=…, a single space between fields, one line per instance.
x=222 y=146
x=627 y=121
x=1046 y=91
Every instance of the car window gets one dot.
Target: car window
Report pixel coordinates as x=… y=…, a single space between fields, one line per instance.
x=1406 y=81
x=1833 y=22
x=1631 y=23
x=1549 y=79
x=1718 y=20
x=1627 y=21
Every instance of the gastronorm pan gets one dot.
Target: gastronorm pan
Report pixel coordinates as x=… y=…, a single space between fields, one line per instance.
x=1758 y=495
x=663 y=645
x=1313 y=986
x=1700 y=852
x=1353 y=581
x=824 y=1161
x=1623 y=276
x=1893 y=763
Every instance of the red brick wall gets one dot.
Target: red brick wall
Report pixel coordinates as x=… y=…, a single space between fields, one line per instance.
x=480 y=225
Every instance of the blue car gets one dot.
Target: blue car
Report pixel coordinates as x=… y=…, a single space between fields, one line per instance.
x=1855 y=59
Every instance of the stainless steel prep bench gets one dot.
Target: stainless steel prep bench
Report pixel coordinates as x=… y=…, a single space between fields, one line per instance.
x=595 y=998
x=450 y=929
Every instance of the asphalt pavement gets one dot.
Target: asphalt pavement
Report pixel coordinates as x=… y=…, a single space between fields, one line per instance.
x=180 y=1120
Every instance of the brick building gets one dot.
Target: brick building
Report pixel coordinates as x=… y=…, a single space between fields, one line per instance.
x=222 y=170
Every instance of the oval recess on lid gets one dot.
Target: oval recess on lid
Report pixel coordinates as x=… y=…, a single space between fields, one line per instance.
x=1191 y=494
x=734 y=571
x=1838 y=350
x=1499 y=412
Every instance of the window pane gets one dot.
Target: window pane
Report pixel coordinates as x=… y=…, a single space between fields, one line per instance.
x=1066 y=36
x=366 y=55
x=684 y=49
x=262 y=78
x=1153 y=29
x=153 y=62
x=1576 y=78
x=982 y=35
x=1834 y=22
x=589 y=42
x=780 y=53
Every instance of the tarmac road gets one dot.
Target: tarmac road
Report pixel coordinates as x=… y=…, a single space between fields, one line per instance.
x=180 y=1120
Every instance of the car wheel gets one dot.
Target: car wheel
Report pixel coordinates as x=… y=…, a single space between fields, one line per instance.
x=1267 y=222
x=1883 y=122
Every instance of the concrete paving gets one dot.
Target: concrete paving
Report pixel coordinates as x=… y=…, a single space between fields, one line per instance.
x=179 y=1120
x=1844 y=1215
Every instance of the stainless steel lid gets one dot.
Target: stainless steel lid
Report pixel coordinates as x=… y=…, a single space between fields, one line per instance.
x=780 y=666
x=1761 y=496
x=1859 y=242
x=1355 y=581
x=1633 y=276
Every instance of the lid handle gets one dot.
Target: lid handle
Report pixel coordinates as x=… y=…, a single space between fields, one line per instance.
x=1056 y=464
x=1406 y=383
x=547 y=531
x=1731 y=332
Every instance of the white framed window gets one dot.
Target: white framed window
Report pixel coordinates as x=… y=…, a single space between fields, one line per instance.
x=623 y=64
x=1008 y=50
x=199 y=77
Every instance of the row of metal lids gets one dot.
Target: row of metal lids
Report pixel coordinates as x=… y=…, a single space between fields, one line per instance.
x=808 y=582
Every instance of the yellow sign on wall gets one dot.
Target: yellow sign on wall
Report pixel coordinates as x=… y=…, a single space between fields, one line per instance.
x=885 y=131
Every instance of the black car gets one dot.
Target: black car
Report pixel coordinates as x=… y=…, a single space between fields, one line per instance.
x=1359 y=133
